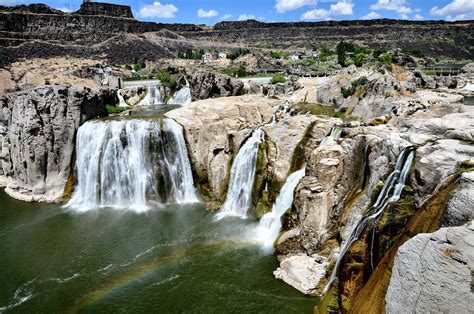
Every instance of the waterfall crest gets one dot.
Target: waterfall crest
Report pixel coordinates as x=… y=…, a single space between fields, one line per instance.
x=154 y=96
x=270 y=224
x=181 y=97
x=242 y=176
x=123 y=163
x=389 y=194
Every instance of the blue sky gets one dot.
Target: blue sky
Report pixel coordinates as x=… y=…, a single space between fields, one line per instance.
x=213 y=11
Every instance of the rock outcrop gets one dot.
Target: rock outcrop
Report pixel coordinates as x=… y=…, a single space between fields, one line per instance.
x=37 y=136
x=206 y=84
x=433 y=273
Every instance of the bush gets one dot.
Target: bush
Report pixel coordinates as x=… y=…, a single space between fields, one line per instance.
x=278 y=78
x=278 y=54
x=414 y=52
x=237 y=54
x=166 y=80
x=191 y=54
x=138 y=66
x=239 y=72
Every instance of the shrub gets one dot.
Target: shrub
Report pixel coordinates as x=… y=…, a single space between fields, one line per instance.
x=278 y=54
x=346 y=92
x=278 y=78
x=166 y=80
x=239 y=72
x=414 y=52
x=138 y=66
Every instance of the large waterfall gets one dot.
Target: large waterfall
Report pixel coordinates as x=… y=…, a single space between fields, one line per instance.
x=389 y=194
x=270 y=223
x=242 y=176
x=154 y=96
x=131 y=164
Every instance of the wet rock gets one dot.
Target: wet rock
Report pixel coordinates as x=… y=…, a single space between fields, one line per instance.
x=460 y=208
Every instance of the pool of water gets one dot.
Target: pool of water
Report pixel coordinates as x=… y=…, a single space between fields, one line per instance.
x=469 y=100
x=170 y=259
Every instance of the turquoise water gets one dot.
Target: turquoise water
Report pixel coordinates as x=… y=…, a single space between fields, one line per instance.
x=167 y=260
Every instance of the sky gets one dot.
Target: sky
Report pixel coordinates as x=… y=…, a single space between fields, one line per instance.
x=213 y=11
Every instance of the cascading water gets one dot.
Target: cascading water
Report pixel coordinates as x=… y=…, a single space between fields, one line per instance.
x=270 y=223
x=242 y=176
x=153 y=96
x=120 y=164
x=182 y=97
x=394 y=186
x=334 y=135
x=122 y=102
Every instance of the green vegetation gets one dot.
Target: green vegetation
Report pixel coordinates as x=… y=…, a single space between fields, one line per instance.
x=349 y=53
x=346 y=92
x=324 y=110
x=137 y=66
x=191 y=54
x=278 y=54
x=414 y=52
x=278 y=78
x=236 y=72
x=237 y=54
x=325 y=54
x=113 y=109
x=166 y=79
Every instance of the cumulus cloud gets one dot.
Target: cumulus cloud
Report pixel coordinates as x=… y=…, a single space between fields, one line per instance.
x=227 y=16
x=398 y=6
x=283 y=6
x=456 y=10
x=418 y=17
x=341 y=8
x=157 y=9
x=204 y=13
x=243 y=17
x=372 y=16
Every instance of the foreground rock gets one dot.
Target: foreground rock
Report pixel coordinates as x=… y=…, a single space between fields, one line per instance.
x=37 y=137
x=433 y=273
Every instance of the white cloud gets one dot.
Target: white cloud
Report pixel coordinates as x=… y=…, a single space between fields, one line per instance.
x=64 y=9
x=372 y=16
x=227 y=16
x=341 y=8
x=204 y=13
x=398 y=6
x=244 y=17
x=158 y=10
x=456 y=9
x=283 y=6
x=316 y=14
x=418 y=17
x=404 y=16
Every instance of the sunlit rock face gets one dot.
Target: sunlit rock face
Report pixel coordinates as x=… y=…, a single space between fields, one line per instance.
x=38 y=130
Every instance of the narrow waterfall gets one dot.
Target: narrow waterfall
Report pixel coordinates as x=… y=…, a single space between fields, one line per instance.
x=154 y=96
x=158 y=99
x=242 y=176
x=389 y=194
x=122 y=163
x=334 y=135
x=270 y=223
x=122 y=102
x=181 y=97
x=176 y=163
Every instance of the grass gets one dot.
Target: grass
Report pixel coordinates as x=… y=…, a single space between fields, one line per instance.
x=278 y=78
x=113 y=109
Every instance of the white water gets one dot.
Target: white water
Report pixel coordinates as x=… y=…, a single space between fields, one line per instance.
x=242 y=176
x=334 y=135
x=394 y=186
x=118 y=161
x=153 y=96
x=270 y=224
x=182 y=97
x=122 y=102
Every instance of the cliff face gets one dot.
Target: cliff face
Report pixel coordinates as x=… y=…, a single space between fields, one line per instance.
x=75 y=33
x=37 y=137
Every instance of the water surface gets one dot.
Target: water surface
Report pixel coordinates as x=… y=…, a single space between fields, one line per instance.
x=171 y=259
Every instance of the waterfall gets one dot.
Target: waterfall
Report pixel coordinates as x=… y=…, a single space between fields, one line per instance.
x=242 y=176
x=122 y=102
x=121 y=164
x=334 y=135
x=154 y=96
x=270 y=223
x=181 y=97
x=158 y=96
x=389 y=194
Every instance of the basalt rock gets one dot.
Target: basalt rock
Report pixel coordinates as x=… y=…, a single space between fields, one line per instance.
x=38 y=130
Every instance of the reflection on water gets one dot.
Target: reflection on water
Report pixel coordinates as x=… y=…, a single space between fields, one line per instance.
x=171 y=259
x=152 y=110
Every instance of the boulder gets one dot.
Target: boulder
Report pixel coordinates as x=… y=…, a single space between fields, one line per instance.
x=204 y=84
x=433 y=273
